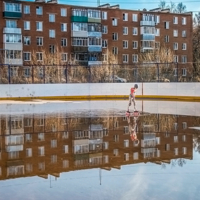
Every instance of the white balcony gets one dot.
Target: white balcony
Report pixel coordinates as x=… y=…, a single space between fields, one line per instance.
x=147 y=37
x=94 y=48
x=12 y=30
x=79 y=33
x=147 y=23
x=94 y=62
x=95 y=34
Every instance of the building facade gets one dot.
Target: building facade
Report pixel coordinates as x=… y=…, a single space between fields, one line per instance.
x=89 y=36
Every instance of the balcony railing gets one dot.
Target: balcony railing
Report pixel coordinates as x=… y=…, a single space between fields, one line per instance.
x=147 y=37
x=147 y=23
x=12 y=30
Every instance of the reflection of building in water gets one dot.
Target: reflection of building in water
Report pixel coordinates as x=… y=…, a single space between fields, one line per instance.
x=42 y=145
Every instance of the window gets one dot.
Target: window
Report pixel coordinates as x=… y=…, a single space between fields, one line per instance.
x=125 y=30
x=184 y=150
x=63 y=12
x=134 y=17
x=39 y=56
x=52 y=33
x=27 y=56
x=184 y=125
x=126 y=129
x=166 y=38
x=28 y=122
x=183 y=20
x=184 y=46
x=135 y=58
x=114 y=22
x=27 y=40
x=64 y=57
x=51 y=17
x=65 y=163
x=65 y=135
x=76 y=26
x=125 y=44
x=13 y=38
x=116 y=138
x=135 y=30
x=64 y=27
x=26 y=9
x=157 y=45
x=104 y=43
x=29 y=152
x=125 y=16
x=65 y=149
x=52 y=48
x=166 y=25
x=175 y=20
x=105 y=57
x=125 y=58
x=135 y=156
x=167 y=147
x=126 y=143
x=28 y=137
x=53 y=158
x=53 y=143
x=176 y=151
x=115 y=50
x=184 y=138
x=41 y=136
x=184 y=33
x=175 y=46
x=12 y=7
x=115 y=36
x=104 y=29
x=184 y=73
x=135 y=44
x=157 y=30
x=126 y=156
x=115 y=152
x=175 y=124
x=38 y=10
x=157 y=19
x=39 y=26
x=26 y=25
x=64 y=42
x=183 y=59
x=11 y=24
x=176 y=58
x=104 y=15
x=29 y=167
x=175 y=138
x=13 y=54
x=41 y=166
x=79 y=41
x=39 y=41
x=175 y=33
x=105 y=145
x=41 y=151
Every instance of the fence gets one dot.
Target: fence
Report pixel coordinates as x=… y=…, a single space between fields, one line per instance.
x=150 y=72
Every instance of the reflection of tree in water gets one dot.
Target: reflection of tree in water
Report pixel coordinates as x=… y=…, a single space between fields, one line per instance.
x=174 y=162
x=196 y=135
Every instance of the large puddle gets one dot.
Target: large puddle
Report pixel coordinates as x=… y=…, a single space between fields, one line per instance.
x=94 y=150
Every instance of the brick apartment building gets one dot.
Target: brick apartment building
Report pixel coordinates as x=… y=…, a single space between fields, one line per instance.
x=89 y=35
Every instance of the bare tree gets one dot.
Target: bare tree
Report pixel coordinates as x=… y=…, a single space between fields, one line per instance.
x=180 y=8
x=196 y=46
x=162 y=4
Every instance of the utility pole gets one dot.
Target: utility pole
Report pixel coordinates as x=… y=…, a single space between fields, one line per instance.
x=98 y=3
